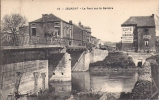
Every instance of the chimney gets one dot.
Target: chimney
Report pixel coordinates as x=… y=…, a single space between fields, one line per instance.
x=70 y=21
x=44 y=17
x=152 y=15
x=79 y=24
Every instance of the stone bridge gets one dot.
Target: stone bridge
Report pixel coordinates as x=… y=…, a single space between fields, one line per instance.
x=139 y=57
x=49 y=62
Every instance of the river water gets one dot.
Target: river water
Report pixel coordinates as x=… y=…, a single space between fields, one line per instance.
x=109 y=82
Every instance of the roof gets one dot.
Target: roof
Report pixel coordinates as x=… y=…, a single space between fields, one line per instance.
x=50 y=17
x=86 y=27
x=82 y=28
x=140 y=21
x=79 y=27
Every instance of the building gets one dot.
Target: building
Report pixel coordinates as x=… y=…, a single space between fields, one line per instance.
x=50 y=29
x=138 y=34
x=78 y=35
x=81 y=35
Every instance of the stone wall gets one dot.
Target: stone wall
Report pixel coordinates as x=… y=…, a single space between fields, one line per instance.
x=27 y=82
x=98 y=55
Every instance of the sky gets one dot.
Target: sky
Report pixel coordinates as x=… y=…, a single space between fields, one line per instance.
x=105 y=23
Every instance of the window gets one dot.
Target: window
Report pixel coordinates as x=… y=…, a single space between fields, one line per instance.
x=33 y=31
x=70 y=33
x=53 y=73
x=58 y=33
x=69 y=42
x=146 y=43
x=62 y=73
x=146 y=31
x=67 y=30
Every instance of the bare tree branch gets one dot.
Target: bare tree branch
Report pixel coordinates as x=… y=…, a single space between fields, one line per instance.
x=12 y=23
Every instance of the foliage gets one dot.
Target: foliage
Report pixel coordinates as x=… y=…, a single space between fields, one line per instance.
x=11 y=23
x=141 y=90
x=115 y=60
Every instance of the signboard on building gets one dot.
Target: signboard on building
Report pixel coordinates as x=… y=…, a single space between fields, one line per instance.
x=127 y=34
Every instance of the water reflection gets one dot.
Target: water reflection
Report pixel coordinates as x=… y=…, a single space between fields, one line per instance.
x=81 y=81
x=109 y=82
x=61 y=86
x=114 y=82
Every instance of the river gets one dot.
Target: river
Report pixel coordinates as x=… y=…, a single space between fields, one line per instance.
x=87 y=81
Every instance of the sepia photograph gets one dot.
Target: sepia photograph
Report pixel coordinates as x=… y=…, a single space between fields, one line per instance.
x=79 y=50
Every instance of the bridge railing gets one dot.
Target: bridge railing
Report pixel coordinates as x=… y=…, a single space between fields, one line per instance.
x=22 y=40
x=37 y=40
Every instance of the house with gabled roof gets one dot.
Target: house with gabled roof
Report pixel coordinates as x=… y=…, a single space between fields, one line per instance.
x=138 y=34
x=50 y=29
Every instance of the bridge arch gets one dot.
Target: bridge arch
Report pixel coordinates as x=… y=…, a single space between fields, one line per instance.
x=139 y=58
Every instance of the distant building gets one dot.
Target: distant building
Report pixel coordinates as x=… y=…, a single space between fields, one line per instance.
x=99 y=43
x=50 y=27
x=138 y=34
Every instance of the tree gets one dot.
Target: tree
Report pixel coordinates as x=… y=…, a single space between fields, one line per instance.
x=11 y=23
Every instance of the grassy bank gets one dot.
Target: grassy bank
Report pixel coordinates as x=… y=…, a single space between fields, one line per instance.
x=115 y=60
